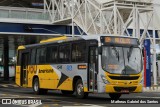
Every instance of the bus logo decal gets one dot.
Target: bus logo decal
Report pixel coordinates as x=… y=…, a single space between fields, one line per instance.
x=59 y=67
x=46 y=71
x=69 y=67
x=31 y=69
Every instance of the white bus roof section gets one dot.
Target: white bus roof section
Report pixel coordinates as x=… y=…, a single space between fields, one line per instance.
x=109 y=35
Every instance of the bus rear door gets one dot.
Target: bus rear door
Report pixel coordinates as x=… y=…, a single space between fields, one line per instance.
x=24 y=68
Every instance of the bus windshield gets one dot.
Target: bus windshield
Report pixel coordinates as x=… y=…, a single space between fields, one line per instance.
x=121 y=60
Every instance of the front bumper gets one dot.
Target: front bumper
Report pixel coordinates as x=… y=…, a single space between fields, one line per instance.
x=124 y=88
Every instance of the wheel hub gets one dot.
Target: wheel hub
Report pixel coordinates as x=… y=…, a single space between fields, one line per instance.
x=36 y=86
x=79 y=89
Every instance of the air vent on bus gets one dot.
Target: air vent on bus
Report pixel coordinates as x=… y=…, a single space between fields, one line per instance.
x=120 y=89
x=124 y=77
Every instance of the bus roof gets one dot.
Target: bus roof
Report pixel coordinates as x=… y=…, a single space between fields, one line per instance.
x=54 y=39
x=66 y=39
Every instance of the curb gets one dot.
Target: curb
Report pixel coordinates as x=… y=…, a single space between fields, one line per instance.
x=151 y=89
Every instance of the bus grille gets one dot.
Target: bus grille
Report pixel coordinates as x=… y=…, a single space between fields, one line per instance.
x=124 y=77
x=130 y=89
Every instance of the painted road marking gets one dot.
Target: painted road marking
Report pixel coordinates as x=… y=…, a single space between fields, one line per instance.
x=3 y=94
x=55 y=104
x=55 y=100
x=15 y=96
x=8 y=85
x=14 y=85
x=4 y=85
x=146 y=97
x=86 y=105
x=46 y=106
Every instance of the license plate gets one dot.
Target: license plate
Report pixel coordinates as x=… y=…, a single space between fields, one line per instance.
x=125 y=91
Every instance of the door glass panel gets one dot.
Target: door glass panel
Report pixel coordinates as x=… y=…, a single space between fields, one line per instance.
x=93 y=68
x=24 y=70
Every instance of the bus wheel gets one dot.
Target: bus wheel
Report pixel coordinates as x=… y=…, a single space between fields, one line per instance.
x=79 y=89
x=115 y=96
x=36 y=88
x=67 y=92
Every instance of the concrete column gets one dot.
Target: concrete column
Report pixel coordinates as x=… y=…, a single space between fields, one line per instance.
x=6 y=58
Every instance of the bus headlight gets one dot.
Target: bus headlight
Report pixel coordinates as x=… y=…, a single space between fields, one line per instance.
x=141 y=82
x=104 y=79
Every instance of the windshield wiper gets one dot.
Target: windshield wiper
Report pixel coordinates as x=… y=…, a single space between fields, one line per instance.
x=129 y=53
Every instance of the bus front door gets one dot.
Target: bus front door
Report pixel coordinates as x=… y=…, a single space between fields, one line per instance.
x=24 y=69
x=93 y=69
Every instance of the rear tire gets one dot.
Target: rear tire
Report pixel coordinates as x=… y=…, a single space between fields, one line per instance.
x=36 y=87
x=79 y=89
x=67 y=92
x=115 y=96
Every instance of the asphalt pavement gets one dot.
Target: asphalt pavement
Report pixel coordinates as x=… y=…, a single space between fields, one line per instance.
x=57 y=99
x=9 y=90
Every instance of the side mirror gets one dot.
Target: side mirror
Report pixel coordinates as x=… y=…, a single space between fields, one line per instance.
x=100 y=50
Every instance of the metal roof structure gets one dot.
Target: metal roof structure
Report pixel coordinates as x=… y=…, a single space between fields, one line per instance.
x=91 y=17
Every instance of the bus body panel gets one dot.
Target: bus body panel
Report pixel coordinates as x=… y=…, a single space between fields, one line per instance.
x=46 y=76
x=66 y=74
x=18 y=75
x=117 y=84
x=57 y=76
x=61 y=75
x=31 y=73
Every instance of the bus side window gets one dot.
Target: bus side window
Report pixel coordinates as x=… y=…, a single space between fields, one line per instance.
x=52 y=54
x=33 y=57
x=41 y=56
x=37 y=56
x=64 y=53
x=78 y=52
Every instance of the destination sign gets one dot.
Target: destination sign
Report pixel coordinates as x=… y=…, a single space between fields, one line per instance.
x=119 y=40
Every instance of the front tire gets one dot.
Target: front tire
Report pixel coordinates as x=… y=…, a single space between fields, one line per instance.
x=36 y=87
x=115 y=96
x=79 y=89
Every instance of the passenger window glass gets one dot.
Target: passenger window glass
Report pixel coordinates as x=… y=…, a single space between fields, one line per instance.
x=78 y=52
x=33 y=53
x=64 y=53
x=41 y=55
x=52 y=54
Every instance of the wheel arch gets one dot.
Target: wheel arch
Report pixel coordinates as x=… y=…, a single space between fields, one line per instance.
x=75 y=79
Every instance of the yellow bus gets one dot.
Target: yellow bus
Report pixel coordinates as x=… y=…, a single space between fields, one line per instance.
x=87 y=64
